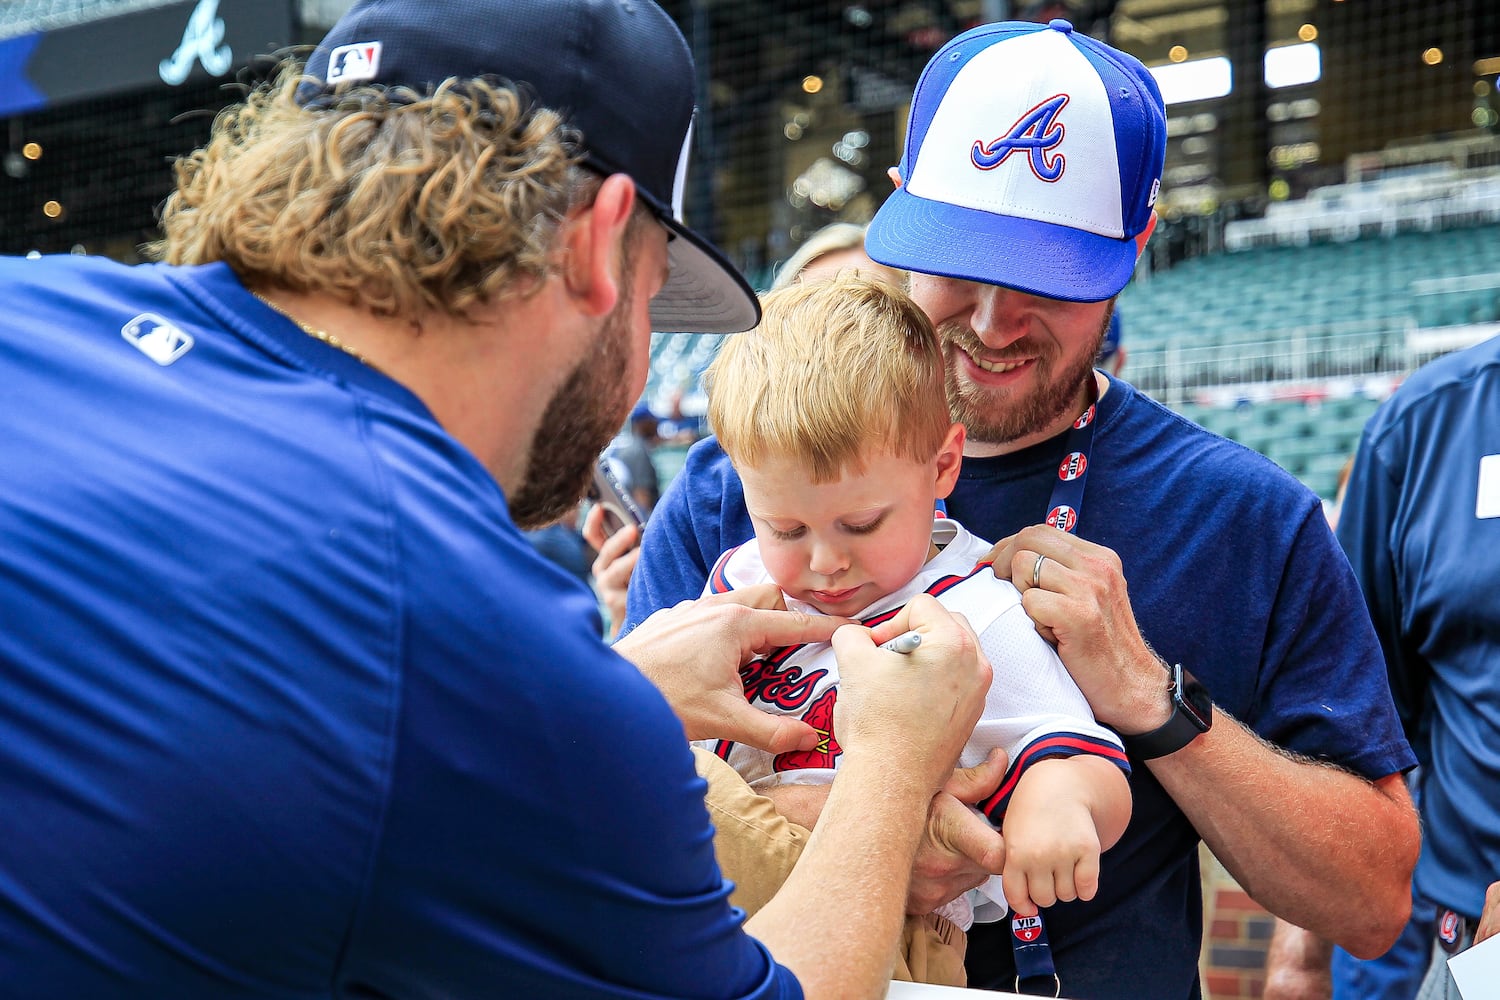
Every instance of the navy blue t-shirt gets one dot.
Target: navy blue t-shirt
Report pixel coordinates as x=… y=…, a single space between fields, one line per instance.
x=288 y=706
x=1232 y=571
x=1421 y=524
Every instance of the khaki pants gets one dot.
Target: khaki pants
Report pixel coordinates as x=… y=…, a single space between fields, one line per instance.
x=757 y=849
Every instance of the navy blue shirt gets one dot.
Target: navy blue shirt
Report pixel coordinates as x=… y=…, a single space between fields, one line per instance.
x=1233 y=572
x=288 y=706
x=1428 y=558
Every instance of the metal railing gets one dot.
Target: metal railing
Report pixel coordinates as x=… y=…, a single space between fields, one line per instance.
x=1179 y=372
x=1295 y=356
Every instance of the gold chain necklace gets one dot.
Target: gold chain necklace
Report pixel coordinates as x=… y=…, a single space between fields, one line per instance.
x=317 y=334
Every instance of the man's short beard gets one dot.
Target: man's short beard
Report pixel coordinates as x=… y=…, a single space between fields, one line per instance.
x=583 y=416
x=988 y=420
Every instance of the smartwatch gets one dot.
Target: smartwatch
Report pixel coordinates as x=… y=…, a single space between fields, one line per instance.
x=1192 y=714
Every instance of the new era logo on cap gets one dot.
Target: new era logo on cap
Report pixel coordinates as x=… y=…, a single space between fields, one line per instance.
x=1033 y=159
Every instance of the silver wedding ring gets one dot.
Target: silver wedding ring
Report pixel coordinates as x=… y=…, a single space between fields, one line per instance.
x=1036 y=572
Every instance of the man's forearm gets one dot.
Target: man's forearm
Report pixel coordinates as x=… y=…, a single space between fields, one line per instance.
x=1298 y=965
x=856 y=866
x=1317 y=846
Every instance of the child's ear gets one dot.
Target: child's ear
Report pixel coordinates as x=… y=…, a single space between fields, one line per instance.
x=949 y=457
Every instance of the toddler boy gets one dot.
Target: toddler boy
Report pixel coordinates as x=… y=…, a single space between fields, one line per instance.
x=834 y=415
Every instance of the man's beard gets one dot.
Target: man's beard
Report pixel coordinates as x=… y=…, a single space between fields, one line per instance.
x=1000 y=416
x=582 y=417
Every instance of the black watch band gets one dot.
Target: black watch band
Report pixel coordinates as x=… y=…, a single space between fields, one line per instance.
x=1192 y=715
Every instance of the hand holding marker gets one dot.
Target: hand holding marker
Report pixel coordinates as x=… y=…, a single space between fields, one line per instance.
x=903 y=643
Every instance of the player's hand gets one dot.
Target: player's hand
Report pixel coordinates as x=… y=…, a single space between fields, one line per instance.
x=960 y=850
x=1051 y=845
x=616 y=559
x=1080 y=604
x=693 y=653
x=915 y=710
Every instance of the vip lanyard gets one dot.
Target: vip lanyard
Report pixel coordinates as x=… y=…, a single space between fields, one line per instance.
x=1028 y=935
x=1066 y=505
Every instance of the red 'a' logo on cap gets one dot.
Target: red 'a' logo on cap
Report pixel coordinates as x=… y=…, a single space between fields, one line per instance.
x=1035 y=135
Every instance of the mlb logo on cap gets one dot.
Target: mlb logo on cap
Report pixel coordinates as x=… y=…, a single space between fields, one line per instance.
x=1033 y=160
x=360 y=61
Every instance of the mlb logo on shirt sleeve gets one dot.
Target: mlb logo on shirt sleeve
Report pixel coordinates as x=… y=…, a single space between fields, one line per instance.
x=158 y=339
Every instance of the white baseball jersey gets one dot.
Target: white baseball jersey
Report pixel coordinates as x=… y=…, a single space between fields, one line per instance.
x=1033 y=709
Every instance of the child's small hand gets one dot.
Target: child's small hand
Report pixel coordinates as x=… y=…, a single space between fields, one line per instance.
x=1051 y=850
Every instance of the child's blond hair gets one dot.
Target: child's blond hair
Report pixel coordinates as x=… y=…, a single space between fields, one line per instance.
x=837 y=369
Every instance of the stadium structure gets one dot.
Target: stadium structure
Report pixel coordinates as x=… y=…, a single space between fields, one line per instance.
x=1330 y=210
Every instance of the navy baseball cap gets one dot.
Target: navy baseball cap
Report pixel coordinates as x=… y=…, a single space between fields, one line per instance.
x=619 y=71
x=1033 y=160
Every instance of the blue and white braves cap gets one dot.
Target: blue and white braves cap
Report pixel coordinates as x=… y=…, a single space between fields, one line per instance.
x=619 y=71
x=1033 y=160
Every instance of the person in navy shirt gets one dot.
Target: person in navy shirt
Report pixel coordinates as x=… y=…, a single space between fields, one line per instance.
x=1238 y=664
x=1421 y=522
x=289 y=706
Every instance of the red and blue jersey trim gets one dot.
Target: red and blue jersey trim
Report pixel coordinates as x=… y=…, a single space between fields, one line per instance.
x=718 y=581
x=1052 y=745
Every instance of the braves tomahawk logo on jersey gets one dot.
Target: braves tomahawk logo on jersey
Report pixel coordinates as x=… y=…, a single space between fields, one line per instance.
x=1034 y=710
x=826 y=751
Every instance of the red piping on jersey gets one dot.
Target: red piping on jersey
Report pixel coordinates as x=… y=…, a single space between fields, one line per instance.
x=718 y=583
x=1045 y=748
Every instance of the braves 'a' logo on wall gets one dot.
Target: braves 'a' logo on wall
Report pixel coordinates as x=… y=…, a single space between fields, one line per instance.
x=1037 y=133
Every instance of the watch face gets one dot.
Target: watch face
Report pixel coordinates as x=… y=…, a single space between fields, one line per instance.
x=1192 y=714
x=1195 y=700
